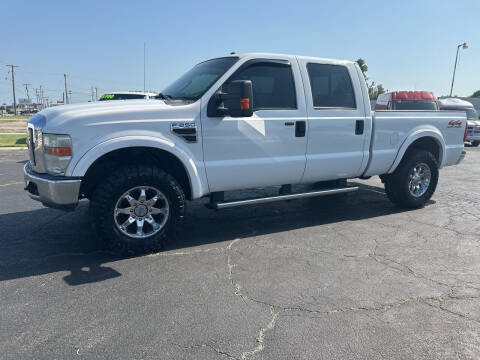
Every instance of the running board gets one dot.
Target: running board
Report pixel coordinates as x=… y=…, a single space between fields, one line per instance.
x=229 y=204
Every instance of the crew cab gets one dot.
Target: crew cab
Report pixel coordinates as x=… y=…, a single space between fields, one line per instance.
x=473 y=121
x=407 y=100
x=230 y=123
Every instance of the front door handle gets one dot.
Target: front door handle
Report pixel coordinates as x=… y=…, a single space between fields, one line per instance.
x=300 y=127
x=359 y=126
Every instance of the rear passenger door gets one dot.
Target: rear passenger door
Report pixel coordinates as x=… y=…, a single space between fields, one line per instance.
x=336 y=144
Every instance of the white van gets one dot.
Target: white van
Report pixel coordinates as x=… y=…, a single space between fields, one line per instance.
x=473 y=131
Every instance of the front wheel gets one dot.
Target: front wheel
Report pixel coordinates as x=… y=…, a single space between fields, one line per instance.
x=414 y=181
x=136 y=209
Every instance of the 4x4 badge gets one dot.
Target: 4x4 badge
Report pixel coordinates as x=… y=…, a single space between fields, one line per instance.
x=454 y=123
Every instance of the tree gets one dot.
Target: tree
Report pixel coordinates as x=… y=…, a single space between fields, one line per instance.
x=363 y=67
x=476 y=94
x=373 y=89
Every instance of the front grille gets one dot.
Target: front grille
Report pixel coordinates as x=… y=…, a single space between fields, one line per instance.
x=31 y=146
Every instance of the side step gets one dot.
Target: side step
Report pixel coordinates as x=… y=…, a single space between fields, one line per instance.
x=229 y=204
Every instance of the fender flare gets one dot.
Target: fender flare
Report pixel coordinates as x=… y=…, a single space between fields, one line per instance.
x=418 y=133
x=198 y=187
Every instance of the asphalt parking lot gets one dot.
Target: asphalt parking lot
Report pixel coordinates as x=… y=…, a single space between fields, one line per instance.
x=344 y=277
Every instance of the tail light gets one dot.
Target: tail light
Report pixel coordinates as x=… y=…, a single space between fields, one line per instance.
x=466 y=130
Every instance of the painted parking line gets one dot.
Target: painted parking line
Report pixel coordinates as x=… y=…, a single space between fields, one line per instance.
x=13 y=183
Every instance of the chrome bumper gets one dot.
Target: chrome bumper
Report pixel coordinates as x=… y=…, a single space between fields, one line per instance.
x=58 y=193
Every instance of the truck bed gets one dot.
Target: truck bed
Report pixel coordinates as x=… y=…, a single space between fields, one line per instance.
x=392 y=129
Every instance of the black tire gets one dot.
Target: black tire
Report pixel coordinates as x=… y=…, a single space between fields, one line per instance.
x=397 y=183
x=475 y=143
x=104 y=199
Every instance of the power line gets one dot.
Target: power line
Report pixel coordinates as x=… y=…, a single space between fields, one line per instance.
x=13 y=88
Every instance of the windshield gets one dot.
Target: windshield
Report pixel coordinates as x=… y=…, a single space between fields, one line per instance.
x=194 y=83
x=472 y=114
x=415 y=105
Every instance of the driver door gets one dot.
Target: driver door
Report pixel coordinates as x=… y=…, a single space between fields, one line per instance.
x=268 y=148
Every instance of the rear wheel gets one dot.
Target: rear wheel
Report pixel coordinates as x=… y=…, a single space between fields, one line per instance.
x=414 y=181
x=136 y=209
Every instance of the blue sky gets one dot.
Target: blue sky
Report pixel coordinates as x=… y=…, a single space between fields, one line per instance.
x=407 y=45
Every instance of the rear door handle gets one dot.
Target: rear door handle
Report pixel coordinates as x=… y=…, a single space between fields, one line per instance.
x=359 y=126
x=300 y=127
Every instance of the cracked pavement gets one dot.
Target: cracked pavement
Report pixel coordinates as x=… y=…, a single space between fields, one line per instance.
x=340 y=277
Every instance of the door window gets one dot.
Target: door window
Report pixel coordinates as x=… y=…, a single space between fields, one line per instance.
x=272 y=83
x=331 y=86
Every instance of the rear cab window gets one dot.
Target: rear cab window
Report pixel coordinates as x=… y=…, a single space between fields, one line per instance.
x=331 y=86
x=415 y=105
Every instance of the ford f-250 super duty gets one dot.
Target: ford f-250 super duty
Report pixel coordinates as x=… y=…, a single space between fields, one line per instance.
x=230 y=123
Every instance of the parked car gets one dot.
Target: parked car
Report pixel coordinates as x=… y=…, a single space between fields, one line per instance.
x=127 y=95
x=473 y=120
x=406 y=100
x=232 y=123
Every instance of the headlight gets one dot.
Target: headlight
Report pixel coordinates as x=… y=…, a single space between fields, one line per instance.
x=58 y=153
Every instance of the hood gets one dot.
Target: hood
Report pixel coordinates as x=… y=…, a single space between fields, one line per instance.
x=473 y=122
x=61 y=118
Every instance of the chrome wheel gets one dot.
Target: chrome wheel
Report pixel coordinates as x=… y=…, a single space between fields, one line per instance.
x=141 y=212
x=420 y=177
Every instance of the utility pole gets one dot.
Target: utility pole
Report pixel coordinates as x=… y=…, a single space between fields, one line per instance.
x=66 y=92
x=40 y=92
x=13 y=88
x=92 y=93
x=26 y=89
x=144 y=46
x=464 y=46
x=36 y=94
x=96 y=94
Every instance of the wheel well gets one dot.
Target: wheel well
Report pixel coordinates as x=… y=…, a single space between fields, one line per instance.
x=107 y=163
x=427 y=144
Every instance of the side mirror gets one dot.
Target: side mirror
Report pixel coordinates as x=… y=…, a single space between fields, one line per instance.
x=234 y=99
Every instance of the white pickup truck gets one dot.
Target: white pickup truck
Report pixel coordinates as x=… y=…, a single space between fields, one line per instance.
x=231 y=123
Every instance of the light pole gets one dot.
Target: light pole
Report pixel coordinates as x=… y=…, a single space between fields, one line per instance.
x=464 y=46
